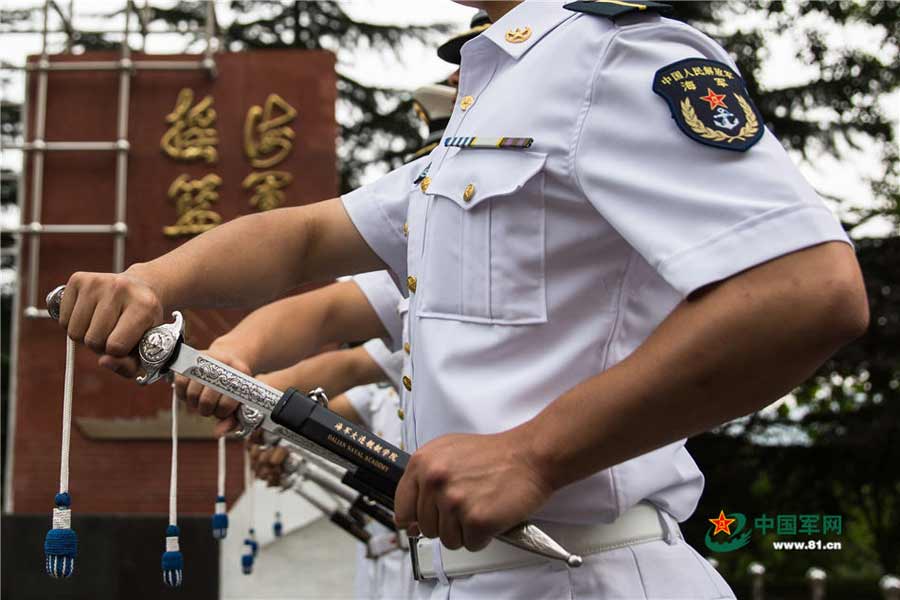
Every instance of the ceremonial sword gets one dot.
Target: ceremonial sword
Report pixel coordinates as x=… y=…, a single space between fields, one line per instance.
x=327 y=477
x=374 y=466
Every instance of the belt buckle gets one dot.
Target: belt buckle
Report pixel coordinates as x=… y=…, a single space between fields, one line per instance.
x=414 y=558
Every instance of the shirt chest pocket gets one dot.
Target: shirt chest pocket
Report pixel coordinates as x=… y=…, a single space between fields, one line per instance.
x=483 y=252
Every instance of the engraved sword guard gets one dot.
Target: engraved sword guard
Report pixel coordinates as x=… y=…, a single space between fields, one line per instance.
x=248 y=420
x=157 y=347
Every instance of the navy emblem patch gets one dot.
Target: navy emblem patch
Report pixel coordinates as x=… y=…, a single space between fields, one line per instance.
x=710 y=103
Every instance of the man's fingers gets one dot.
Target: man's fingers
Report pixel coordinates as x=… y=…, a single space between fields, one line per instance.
x=406 y=498
x=476 y=535
x=181 y=383
x=226 y=425
x=222 y=409
x=126 y=367
x=69 y=299
x=80 y=320
x=449 y=528
x=427 y=512
x=209 y=399
x=106 y=313
x=226 y=407
x=132 y=324
x=192 y=395
x=279 y=454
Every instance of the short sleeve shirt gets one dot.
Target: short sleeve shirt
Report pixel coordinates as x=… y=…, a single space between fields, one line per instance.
x=533 y=269
x=377 y=406
x=382 y=293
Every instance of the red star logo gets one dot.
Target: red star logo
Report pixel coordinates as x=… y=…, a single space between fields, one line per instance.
x=723 y=523
x=714 y=99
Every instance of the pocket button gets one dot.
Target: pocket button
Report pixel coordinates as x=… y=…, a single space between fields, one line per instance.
x=469 y=193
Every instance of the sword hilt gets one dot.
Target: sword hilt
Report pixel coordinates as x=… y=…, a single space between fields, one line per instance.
x=157 y=348
x=381 y=465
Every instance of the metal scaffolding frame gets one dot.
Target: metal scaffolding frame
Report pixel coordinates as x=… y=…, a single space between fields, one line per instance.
x=38 y=147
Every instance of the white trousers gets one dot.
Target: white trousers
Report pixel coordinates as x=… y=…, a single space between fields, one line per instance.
x=656 y=570
x=386 y=578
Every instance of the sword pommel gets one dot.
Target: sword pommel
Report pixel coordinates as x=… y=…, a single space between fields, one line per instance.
x=54 y=299
x=158 y=347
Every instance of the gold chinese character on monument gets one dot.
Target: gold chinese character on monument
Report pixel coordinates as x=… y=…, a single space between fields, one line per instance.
x=193 y=205
x=267 y=186
x=192 y=134
x=267 y=136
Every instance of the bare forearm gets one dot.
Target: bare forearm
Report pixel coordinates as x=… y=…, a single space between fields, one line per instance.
x=735 y=349
x=251 y=260
x=282 y=333
x=335 y=372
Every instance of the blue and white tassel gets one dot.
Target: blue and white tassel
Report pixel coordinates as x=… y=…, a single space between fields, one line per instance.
x=220 y=517
x=61 y=543
x=251 y=547
x=277 y=526
x=172 y=560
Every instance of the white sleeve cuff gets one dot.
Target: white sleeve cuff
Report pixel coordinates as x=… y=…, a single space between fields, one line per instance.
x=382 y=293
x=378 y=230
x=360 y=399
x=390 y=362
x=749 y=243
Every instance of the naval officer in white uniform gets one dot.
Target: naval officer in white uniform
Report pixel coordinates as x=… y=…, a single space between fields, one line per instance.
x=608 y=252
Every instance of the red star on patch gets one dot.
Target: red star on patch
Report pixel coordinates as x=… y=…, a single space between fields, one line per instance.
x=714 y=99
x=723 y=523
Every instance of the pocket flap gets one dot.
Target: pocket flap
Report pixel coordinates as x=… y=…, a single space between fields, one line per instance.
x=475 y=174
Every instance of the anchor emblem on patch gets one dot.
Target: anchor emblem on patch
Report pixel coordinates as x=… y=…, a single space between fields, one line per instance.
x=709 y=103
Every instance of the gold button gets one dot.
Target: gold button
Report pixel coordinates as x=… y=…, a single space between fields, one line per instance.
x=425 y=183
x=406 y=347
x=406 y=229
x=466 y=102
x=407 y=383
x=468 y=192
x=411 y=283
x=400 y=414
x=518 y=35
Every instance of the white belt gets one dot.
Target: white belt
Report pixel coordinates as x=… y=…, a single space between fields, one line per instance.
x=641 y=523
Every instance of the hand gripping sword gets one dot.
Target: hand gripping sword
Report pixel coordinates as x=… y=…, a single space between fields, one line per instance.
x=374 y=466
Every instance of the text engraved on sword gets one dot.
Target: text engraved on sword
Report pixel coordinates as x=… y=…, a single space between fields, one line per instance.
x=234 y=383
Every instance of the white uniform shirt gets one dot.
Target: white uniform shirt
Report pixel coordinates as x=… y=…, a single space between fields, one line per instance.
x=562 y=259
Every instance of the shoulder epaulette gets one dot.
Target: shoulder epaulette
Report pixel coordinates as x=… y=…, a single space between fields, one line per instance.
x=616 y=8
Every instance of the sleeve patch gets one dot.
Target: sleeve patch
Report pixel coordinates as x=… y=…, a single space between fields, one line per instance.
x=710 y=103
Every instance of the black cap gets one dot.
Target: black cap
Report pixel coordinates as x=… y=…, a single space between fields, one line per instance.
x=449 y=50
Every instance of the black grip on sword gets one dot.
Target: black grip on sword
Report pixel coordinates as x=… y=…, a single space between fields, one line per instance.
x=347 y=523
x=368 y=507
x=380 y=464
x=357 y=516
